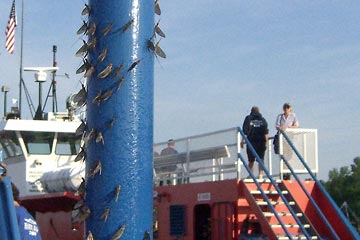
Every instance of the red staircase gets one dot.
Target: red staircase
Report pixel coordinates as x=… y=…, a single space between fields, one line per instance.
x=264 y=214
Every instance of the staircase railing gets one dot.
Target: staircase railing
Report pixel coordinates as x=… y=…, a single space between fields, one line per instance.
x=260 y=162
x=322 y=189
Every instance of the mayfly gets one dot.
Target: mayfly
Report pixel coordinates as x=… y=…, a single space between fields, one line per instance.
x=107 y=29
x=90 y=236
x=90 y=135
x=134 y=65
x=82 y=50
x=100 y=138
x=146 y=235
x=119 y=233
x=150 y=45
x=106 y=95
x=158 y=51
x=102 y=55
x=80 y=97
x=96 y=170
x=84 y=213
x=117 y=192
x=119 y=83
x=86 y=10
x=89 y=71
x=112 y=122
x=118 y=70
x=82 y=188
x=81 y=155
x=157 y=7
x=97 y=98
x=92 y=43
x=104 y=73
x=127 y=25
x=83 y=28
x=105 y=214
x=158 y=30
x=81 y=128
x=91 y=29
x=83 y=67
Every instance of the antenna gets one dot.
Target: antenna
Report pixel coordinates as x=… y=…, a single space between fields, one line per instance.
x=40 y=77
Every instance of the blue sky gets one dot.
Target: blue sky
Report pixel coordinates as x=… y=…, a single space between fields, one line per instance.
x=222 y=58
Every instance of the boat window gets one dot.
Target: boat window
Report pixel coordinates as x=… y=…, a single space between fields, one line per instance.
x=177 y=221
x=38 y=142
x=67 y=144
x=10 y=144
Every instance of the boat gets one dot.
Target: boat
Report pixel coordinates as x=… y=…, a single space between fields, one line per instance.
x=200 y=193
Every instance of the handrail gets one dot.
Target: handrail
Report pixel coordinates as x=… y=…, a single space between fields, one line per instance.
x=322 y=189
x=273 y=183
x=265 y=197
x=317 y=208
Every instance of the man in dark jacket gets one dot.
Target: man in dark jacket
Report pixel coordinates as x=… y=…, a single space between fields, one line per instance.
x=256 y=129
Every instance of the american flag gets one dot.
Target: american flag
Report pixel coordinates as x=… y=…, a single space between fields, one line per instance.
x=10 y=30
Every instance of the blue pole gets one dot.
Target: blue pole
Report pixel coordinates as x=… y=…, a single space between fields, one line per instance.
x=9 y=229
x=119 y=165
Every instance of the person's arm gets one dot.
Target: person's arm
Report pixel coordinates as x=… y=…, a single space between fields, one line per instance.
x=245 y=128
x=278 y=123
x=295 y=123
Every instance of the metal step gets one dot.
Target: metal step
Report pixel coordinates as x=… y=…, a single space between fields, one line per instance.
x=295 y=237
x=289 y=226
x=270 y=214
x=264 y=180
x=264 y=203
x=273 y=192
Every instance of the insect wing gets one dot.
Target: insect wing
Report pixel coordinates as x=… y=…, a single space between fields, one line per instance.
x=80 y=97
x=83 y=67
x=117 y=192
x=157 y=8
x=107 y=29
x=82 y=50
x=119 y=233
x=91 y=29
x=89 y=71
x=106 y=95
x=133 y=65
x=105 y=215
x=102 y=55
x=112 y=122
x=105 y=72
x=127 y=25
x=92 y=43
x=159 y=52
x=119 y=83
x=159 y=31
x=86 y=10
x=82 y=29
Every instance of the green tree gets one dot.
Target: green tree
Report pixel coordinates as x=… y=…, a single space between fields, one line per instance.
x=344 y=186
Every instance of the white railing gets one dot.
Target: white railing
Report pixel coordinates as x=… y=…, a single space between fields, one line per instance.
x=214 y=156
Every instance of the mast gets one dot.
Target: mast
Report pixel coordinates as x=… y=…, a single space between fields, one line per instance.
x=54 y=100
x=21 y=56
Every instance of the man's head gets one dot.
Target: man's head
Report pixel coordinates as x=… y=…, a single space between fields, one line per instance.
x=287 y=108
x=16 y=193
x=255 y=109
x=171 y=143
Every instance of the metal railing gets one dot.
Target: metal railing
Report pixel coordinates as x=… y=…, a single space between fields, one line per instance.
x=351 y=229
x=196 y=161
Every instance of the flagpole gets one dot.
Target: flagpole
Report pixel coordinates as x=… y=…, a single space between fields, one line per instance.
x=21 y=56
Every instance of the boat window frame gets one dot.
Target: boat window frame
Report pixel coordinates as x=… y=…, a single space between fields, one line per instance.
x=10 y=144
x=27 y=135
x=74 y=146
